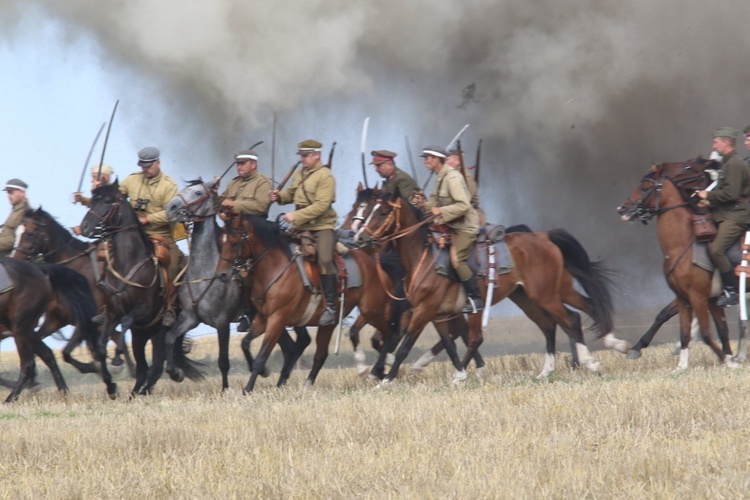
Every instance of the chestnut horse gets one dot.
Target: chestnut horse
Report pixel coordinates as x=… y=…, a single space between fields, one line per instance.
x=541 y=283
x=254 y=246
x=666 y=192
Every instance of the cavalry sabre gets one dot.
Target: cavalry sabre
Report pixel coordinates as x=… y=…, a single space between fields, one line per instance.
x=273 y=151
x=106 y=139
x=365 y=126
x=234 y=162
x=476 y=164
x=88 y=158
x=449 y=146
x=411 y=160
x=743 y=291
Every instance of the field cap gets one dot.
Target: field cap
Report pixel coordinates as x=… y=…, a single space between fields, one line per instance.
x=245 y=155
x=309 y=146
x=15 y=184
x=746 y=130
x=728 y=132
x=106 y=169
x=382 y=156
x=147 y=156
x=434 y=151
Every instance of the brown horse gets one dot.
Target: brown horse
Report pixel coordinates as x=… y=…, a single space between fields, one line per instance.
x=541 y=283
x=666 y=192
x=41 y=236
x=254 y=246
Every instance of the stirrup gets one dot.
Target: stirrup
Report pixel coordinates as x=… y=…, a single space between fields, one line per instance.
x=327 y=317
x=729 y=298
x=474 y=305
x=244 y=325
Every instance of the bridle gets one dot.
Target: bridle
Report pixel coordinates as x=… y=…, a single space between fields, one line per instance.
x=189 y=209
x=646 y=209
x=104 y=227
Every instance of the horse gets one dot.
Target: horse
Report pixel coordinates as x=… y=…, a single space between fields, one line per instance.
x=204 y=298
x=456 y=326
x=53 y=291
x=134 y=283
x=41 y=236
x=665 y=192
x=541 y=283
x=256 y=247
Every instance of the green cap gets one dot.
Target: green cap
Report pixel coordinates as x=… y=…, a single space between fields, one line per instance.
x=728 y=132
x=382 y=156
x=309 y=146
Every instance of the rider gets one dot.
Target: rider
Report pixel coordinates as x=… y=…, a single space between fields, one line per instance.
x=313 y=192
x=16 y=190
x=451 y=202
x=247 y=194
x=730 y=205
x=394 y=177
x=149 y=191
x=107 y=177
x=455 y=160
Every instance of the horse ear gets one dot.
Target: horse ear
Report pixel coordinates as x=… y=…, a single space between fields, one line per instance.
x=213 y=184
x=360 y=188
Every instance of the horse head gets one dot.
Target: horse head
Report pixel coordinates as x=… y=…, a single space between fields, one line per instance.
x=361 y=208
x=109 y=211
x=388 y=215
x=194 y=203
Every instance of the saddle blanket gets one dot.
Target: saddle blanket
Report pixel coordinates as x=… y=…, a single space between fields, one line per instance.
x=702 y=258
x=477 y=261
x=5 y=282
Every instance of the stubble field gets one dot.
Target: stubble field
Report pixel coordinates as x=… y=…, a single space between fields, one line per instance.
x=639 y=431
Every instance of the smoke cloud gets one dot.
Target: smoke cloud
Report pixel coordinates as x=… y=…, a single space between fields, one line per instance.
x=574 y=99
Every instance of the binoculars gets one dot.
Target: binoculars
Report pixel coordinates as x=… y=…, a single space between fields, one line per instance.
x=141 y=204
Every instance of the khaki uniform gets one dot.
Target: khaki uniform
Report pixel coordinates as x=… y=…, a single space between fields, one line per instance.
x=158 y=191
x=471 y=184
x=730 y=205
x=452 y=195
x=313 y=192
x=8 y=232
x=250 y=195
x=402 y=181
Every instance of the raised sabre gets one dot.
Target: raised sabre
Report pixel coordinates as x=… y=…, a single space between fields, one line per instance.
x=411 y=160
x=88 y=158
x=273 y=151
x=106 y=139
x=449 y=146
x=365 y=126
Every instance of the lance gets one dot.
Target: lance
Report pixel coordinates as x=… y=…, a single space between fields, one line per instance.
x=449 y=146
x=273 y=151
x=330 y=156
x=364 y=144
x=234 y=162
x=106 y=139
x=88 y=157
x=476 y=165
x=411 y=160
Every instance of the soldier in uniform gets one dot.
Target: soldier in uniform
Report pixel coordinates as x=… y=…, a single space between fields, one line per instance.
x=107 y=177
x=450 y=201
x=746 y=133
x=454 y=160
x=16 y=190
x=393 y=177
x=247 y=194
x=730 y=205
x=149 y=191
x=313 y=192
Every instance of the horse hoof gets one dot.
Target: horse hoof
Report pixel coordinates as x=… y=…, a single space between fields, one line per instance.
x=677 y=349
x=266 y=372
x=633 y=354
x=384 y=384
x=459 y=377
x=362 y=370
x=177 y=375
x=730 y=363
x=112 y=391
x=479 y=374
x=116 y=361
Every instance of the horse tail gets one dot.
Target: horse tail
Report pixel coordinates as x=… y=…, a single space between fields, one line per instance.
x=393 y=267
x=594 y=277
x=72 y=291
x=192 y=369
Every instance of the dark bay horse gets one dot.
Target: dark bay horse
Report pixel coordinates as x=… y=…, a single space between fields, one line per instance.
x=53 y=291
x=541 y=283
x=41 y=236
x=260 y=250
x=134 y=285
x=666 y=193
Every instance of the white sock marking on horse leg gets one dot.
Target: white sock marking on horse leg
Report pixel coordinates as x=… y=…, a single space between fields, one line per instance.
x=695 y=331
x=729 y=362
x=587 y=360
x=459 y=377
x=424 y=360
x=390 y=358
x=359 y=357
x=682 y=364
x=619 y=345
x=549 y=366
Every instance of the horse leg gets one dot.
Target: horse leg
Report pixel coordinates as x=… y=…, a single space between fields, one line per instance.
x=45 y=353
x=669 y=311
x=295 y=348
x=722 y=329
x=141 y=365
x=450 y=348
x=158 y=356
x=686 y=314
x=99 y=354
x=699 y=305
x=273 y=329
x=222 y=332
x=186 y=321
x=547 y=325
x=419 y=318
x=359 y=353
x=22 y=336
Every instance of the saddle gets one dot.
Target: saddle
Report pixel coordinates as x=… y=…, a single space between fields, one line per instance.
x=161 y=249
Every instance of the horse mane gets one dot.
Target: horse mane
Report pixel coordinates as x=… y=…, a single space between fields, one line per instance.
x=56 y=230
x=268 y=233
x=365 y=195
x=113 y=190
x=194 y=182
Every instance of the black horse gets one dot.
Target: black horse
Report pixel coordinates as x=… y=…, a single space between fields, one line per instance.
x=135 y=285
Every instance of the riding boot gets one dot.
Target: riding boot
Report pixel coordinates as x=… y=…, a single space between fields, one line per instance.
x=246 y=316
x=170 y=317
x=474 y=296
x=328 y=282
x=730 y=295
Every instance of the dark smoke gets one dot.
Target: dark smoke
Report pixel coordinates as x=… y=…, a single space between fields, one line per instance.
x=574 y=99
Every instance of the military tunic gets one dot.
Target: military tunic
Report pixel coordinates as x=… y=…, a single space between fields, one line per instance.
x=454 y=200
x=8 y=232
x=158 y=191
x=402 y=181
x=250 y=194
x=313 y=192
x=730 y=206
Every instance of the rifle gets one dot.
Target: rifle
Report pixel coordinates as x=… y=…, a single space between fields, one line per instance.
x=330 y=156
x=106 y=139
x=234 y=162
x=460 y=158
x=288 y=176
x=88 y=158
x=476 y=165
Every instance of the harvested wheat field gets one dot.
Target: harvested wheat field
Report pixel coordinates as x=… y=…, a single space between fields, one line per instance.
x=640 y=431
